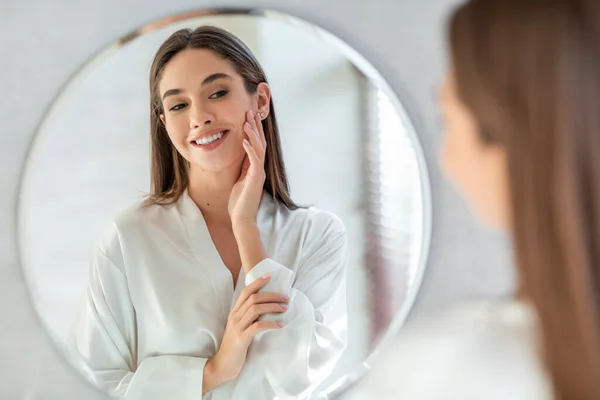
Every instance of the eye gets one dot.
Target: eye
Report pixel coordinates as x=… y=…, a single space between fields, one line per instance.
x=218 y=94
x=177 y=107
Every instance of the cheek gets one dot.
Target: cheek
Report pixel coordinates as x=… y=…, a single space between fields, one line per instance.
x=177 y=132
x=463 y=162
x=498 y=189
x=238 y=118
x=478 y=171
x=451 y=158
x=461 y=153
x=238 y=106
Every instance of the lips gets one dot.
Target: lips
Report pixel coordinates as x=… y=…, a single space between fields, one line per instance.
x=209 y=136
x=209 y=140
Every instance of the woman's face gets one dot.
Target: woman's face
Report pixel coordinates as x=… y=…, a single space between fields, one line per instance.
x=205 y=105
x=478 y=170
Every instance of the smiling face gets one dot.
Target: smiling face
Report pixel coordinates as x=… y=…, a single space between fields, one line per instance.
x=205 y=102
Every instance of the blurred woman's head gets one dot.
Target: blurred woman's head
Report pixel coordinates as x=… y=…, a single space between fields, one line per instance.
x=522 y=111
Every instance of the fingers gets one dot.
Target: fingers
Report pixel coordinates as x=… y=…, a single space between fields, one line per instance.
x=253 y=132
x=261 y=132
x=261 y=326
x=252 y=120
x=254 y=150
x=256 y=310
x=252 y=156
x=252 y=135
x=261 y=298
x=250 y=290
x=256 y=126
x=251 y=305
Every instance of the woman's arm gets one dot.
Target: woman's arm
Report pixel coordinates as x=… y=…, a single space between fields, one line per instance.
x=296 y=358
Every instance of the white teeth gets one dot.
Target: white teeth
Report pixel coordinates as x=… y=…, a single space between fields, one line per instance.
x=209 y=139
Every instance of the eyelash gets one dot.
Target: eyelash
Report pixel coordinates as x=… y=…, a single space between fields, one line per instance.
x=174 y=108
x=219 y=94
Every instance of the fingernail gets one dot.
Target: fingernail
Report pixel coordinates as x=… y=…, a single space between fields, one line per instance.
x=246 y=142
x=251 y=114
x=284 y=297
x=284 y=306
x=266 y=276
x=280 y=324
x=248 y=125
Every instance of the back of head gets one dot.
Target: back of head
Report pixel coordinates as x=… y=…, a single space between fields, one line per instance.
x=529 y=70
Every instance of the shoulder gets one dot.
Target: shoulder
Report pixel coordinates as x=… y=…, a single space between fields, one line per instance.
x=320 y=232
x=141 y=214
x=483 y=350
x=132 y=220
x=324 y=223
x=314 y=221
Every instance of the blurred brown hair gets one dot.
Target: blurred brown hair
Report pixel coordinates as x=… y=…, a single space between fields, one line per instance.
x=529 y=70
x=169 y=170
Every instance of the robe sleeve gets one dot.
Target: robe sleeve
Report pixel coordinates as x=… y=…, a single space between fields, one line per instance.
x=299 y=356
x=104 y=335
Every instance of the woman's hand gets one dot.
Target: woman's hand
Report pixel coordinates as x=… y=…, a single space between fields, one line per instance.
x=241 y=328
x=247 y=191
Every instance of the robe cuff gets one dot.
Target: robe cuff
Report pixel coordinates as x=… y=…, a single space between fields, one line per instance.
x=281 y=276
x=177 y=377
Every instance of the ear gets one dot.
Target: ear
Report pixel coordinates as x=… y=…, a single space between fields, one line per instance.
x=263 y=92
x=162 y=118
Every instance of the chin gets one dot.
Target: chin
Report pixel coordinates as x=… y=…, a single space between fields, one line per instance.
x=216 y=162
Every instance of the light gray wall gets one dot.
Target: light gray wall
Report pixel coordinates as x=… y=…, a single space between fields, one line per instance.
x=43 y=43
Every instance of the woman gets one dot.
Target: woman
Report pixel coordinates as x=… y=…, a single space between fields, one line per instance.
x=218 y=257
x=521 y=109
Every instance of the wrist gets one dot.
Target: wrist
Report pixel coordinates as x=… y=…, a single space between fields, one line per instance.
x=250 y=246
x=244 y=227
x=212 y=376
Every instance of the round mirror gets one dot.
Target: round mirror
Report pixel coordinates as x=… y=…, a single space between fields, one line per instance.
x=141 y=294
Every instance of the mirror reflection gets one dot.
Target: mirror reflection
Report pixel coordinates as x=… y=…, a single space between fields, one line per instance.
x=224 y=207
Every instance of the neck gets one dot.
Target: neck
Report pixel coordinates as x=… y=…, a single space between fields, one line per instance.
x=210 y=190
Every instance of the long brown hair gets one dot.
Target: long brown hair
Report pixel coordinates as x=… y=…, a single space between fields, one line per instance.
x=529 y=70
x=169 y=170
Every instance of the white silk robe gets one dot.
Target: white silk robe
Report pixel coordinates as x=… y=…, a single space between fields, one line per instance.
x=159 y=296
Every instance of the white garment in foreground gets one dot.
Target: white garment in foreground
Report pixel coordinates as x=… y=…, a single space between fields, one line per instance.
x=159 y=296
x=480 y=351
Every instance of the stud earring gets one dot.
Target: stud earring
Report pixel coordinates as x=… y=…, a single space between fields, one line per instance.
x=262 y=115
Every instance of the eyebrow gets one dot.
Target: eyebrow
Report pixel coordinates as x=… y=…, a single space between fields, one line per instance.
x=206 y=81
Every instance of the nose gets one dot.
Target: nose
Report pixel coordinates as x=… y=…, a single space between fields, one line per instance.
x=200 y=117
